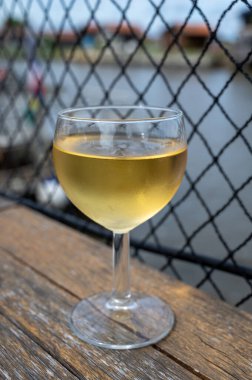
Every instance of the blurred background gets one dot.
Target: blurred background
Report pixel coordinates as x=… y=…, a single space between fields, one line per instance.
x=188 y=54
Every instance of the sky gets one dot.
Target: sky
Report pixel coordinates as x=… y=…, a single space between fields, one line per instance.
x=139 y=12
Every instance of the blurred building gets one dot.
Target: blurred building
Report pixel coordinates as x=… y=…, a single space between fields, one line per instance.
x=190 y=36
x=125 y=36
x=90 y=35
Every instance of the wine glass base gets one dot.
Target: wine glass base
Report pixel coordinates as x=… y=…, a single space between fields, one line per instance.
x=144 y=321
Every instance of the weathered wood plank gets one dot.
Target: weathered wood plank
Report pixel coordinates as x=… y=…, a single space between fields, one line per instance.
x=22 y=359
x=42 y=311
x=211 y=338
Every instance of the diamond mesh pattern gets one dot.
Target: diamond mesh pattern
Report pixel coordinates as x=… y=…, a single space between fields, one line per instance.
x=204 y=236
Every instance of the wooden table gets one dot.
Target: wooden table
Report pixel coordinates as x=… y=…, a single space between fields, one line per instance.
x=46 y=268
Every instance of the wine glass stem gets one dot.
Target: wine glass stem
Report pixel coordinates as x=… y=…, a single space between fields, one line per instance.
x=121 y=277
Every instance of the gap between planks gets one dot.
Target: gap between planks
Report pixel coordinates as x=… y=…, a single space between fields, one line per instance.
x=35 y=343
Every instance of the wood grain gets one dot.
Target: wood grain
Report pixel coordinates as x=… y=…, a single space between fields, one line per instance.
x=41 y=310
x=211 y=339
x=21 y=358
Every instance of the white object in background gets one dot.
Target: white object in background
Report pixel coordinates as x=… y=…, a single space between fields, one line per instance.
x=49 y=191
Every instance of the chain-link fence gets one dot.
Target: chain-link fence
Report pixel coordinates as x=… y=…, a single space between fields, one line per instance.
x=81 y=52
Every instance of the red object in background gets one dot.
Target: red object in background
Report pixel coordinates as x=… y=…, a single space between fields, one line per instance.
x=35 y=80
x=3 y=74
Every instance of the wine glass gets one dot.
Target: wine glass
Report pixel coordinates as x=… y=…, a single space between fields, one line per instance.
x=120 y=166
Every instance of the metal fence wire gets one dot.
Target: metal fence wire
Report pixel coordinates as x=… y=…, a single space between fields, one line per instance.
x=48 y=61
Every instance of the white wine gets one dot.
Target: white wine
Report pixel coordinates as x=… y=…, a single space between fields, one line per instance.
x=116 y=182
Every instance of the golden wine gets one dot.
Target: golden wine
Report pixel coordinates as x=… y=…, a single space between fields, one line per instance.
x=116 y=182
